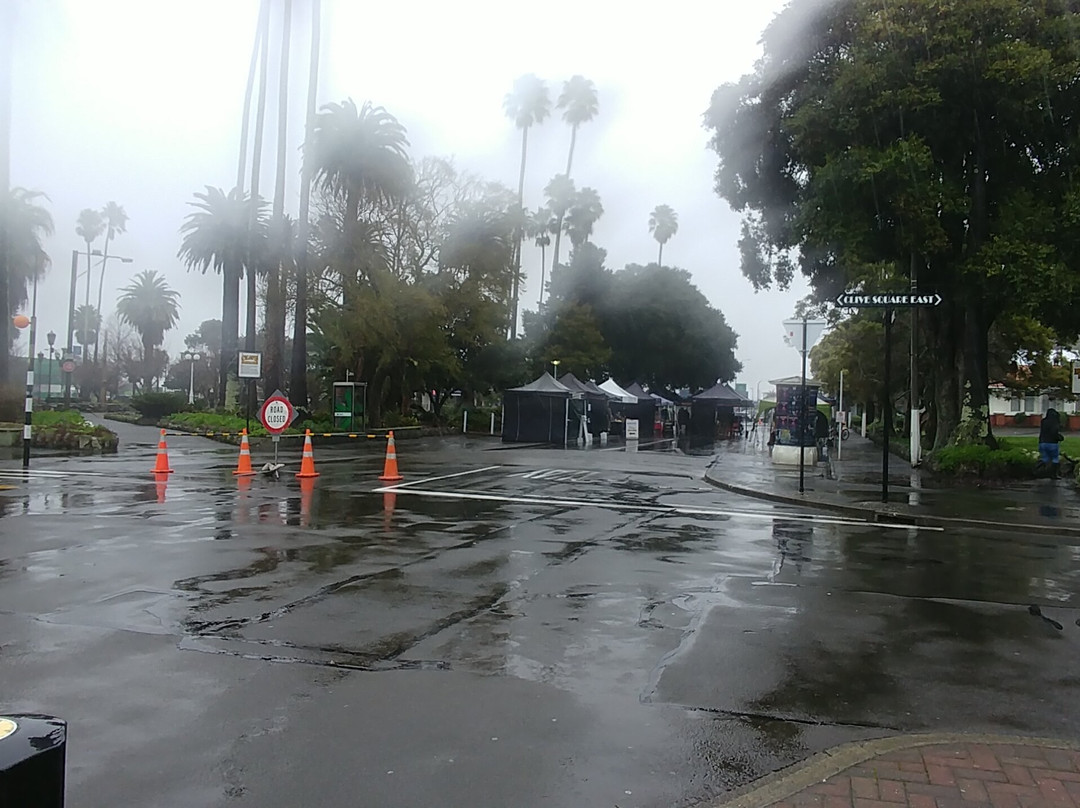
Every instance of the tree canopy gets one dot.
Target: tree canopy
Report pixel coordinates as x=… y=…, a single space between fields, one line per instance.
x=932 y=141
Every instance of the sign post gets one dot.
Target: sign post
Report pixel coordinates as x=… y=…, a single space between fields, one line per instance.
x=811 y=331
x=250 y=368
x=866 y=300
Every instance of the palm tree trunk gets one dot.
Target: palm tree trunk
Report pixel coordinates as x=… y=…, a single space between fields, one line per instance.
x=245 y=123
x=148 y=374
x=230 y=327
x=260 y=118
x=275 y=297
x=100 y=289
x=7 y=22
x=660 y=255
x=518 y=233
x=86 y=311
x=298 y=393
x=543 y=264
x=558 y=232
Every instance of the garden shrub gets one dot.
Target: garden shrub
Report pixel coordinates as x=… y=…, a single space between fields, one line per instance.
x=979 y=460
x=158 y=405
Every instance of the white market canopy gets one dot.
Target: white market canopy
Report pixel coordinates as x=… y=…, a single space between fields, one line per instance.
x=612 y=389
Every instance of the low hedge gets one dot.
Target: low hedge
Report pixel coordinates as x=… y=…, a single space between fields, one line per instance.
x=220 y=423
x=979 y=460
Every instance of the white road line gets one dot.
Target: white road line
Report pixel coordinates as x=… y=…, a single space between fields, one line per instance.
x=50 y=473
x=390 y=488
x=647 y=443
x=660 y=509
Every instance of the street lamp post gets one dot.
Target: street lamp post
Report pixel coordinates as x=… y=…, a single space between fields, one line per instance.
x=51 y=337
x=555 y=367
x=192 y=357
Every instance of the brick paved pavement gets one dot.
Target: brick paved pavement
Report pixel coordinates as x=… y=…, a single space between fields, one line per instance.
x=927 y=771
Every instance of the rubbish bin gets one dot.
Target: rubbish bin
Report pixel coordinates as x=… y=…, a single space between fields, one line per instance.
x=33 y=749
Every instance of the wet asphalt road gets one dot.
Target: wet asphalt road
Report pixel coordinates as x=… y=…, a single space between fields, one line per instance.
x=516 y=627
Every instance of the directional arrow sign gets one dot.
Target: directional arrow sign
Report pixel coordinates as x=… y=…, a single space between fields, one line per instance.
x=863 y=300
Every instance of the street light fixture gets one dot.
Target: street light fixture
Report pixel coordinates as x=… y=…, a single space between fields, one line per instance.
x=555 y=366
x=192 y=357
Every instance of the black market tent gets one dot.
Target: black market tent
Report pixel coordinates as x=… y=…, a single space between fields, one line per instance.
x=712 y=411
x=644 y=410
x=597 y=412
x=537 y=412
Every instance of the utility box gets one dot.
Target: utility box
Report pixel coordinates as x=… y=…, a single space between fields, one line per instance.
x=350 y=406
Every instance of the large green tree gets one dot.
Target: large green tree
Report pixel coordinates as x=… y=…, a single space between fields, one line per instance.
x=151 y=308
x=527 y=104
x=878 y=145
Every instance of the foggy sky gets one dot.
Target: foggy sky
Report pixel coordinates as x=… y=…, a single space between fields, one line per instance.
x=141 y=103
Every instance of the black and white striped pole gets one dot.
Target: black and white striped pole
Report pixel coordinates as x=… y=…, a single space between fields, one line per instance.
x=28 y=410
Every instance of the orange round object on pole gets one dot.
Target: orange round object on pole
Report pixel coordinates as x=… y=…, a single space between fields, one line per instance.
x=20 y=321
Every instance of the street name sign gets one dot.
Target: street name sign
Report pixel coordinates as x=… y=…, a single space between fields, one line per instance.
x=861 y=300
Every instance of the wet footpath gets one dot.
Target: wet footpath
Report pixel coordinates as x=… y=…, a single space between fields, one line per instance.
x=850 y=482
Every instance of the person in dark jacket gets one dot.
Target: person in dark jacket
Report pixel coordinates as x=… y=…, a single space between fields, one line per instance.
x=1049 y=438
x=821 y=435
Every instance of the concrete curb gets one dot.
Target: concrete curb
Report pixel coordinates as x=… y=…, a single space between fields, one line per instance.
x=787 y=782
x=882 y=515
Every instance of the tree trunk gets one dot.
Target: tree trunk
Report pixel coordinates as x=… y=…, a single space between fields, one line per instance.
x=256 y=160
x=230 y=328
x=558 y=232
x=519 y=233
x=298 y=392
x=943 y=324
x=148 y=371
x=100 y=289
x=7 y=21
x=275 y=295
x=660 y=255
x=543 y=279
x=974 y=424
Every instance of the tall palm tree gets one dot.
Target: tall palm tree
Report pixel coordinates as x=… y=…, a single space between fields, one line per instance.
x=115 y=219
x=89 y=226
x=663 y=224
x=582 y=215
x=358 y=155
x=274 y=321
x=24 y=224
x=216 y=235
x=579 y=104
x=539 y=228
x=527 y=104
x=149 y=306
x=298 y=394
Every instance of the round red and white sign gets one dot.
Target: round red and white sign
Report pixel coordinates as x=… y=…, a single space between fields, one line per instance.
x=276 y=414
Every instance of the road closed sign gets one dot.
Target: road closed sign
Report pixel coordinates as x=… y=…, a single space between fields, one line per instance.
x=276 y=414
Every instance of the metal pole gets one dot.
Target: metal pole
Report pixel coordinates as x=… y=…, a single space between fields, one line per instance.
x=464 y=421
x=914 y=428
x=802 y=408
x=71 y=324
x=841 y=424
x=887 y=415
x=191 y=382
x=492 y=423
x=28 y=415
x=48 y=393
x=248 y=397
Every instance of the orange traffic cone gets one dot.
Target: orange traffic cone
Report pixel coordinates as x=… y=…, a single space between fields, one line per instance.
x=390 y=469
x=162 y=465
x=243 y=465
x=307 y=463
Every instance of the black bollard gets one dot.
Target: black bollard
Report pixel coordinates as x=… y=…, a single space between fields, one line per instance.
x=33 y=749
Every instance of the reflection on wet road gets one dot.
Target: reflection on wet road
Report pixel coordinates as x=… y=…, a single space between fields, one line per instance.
x=521 y=627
